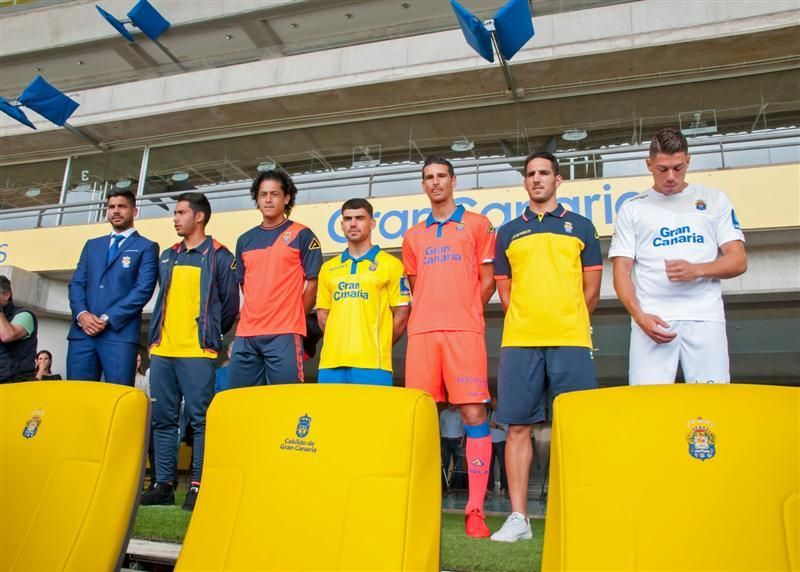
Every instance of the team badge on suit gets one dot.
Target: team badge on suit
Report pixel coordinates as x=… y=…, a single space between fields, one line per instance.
x=126 y=261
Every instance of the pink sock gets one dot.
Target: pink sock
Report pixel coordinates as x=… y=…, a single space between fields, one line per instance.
x=479 y=454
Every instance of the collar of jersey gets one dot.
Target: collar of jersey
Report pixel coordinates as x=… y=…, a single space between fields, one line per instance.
x=457 y=215
x=368 y=255
x=557 y=212
x=202 y=247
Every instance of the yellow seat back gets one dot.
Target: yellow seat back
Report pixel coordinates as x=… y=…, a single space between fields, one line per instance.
x=674 y=477
x=71 y=461
x=318 y=477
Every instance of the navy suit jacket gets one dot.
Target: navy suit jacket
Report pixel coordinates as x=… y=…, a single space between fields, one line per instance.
x=120 y=288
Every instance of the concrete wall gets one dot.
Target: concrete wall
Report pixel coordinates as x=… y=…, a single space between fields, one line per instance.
x=594 y=31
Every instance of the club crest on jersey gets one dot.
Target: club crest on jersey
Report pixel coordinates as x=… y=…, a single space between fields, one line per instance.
x=126 y=261
x=286 y=237
x=459 y=226
x=374 y=266
x=568 y=226
x=32 y=424
x=701 y=439
x=303 y=426
x=700 y=205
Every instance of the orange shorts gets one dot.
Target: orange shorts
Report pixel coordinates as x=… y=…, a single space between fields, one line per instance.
x=455 y=360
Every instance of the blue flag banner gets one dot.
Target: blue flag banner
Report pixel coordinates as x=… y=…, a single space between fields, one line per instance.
x=118 y=26
x=15 y=113
x=474 y=31
x=47 y=101
x=513 y=27
x=148 y=20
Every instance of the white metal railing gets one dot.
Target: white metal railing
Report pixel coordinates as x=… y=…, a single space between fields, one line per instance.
x=624 y=160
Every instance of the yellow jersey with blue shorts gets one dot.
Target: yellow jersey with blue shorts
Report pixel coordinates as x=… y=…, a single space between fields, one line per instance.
x=359 y=294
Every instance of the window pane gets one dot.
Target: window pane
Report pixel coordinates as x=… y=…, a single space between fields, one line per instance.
x=92 y=176
x=30 y=185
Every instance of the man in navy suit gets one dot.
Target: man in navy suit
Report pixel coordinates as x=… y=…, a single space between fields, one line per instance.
x=115 y=278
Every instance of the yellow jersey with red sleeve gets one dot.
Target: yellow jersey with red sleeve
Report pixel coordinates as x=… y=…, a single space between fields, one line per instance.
x=545 y=257
x=359 y=294
x=445 y=257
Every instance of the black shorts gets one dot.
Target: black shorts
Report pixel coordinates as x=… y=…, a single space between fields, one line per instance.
x=530 y=378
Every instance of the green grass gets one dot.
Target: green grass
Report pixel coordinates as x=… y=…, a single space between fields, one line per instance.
x=459 y=553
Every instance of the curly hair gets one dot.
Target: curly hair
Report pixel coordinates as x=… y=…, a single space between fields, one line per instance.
x=285 y=181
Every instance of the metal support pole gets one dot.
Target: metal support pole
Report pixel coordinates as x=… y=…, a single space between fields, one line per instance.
x=512 y=86
x=170 y=56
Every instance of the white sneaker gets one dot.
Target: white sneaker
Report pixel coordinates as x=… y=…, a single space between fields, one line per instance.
x=516 y=527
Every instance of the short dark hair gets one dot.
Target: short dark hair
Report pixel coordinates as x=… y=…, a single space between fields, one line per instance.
x=128 y=194
x=5 y=284
x=287 y=186
x=356 y=204
x=438 y=160
x=542 y=155
x=198 y=203
x=668 y=141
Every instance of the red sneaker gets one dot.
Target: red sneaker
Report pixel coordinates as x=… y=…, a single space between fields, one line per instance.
x=476 y=528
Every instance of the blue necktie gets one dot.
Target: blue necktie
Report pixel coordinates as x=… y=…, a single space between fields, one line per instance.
x=114 y=248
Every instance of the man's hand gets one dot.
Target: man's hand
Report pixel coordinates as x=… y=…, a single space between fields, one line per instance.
x=682 y=271
x=91 y=324
x=655 y=328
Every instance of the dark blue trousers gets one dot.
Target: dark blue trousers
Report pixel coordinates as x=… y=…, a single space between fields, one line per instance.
x=89 y=358
x=171 y=379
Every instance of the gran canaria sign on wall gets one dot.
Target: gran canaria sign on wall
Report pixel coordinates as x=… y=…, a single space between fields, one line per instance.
x=764 y=197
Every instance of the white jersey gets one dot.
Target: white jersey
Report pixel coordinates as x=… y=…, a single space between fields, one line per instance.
x=691 y=225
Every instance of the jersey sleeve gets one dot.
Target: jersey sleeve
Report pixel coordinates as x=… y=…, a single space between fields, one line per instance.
x=323 y=291
x=310 y=253
x=485 y=241
x=623 y=241
x=727 y=225
x=399 y=291
x=239 y=260
x=502 y=268
x=409 y=256
x=591 y=257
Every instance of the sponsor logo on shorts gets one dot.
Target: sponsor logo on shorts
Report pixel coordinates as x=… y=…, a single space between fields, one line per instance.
x=32 y=424
x=702 y=441
x=477 y=462
x=469 y=379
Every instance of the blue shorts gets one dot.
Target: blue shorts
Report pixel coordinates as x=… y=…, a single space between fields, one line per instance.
x=266 y=360
x=355 y=375
x=529 y=379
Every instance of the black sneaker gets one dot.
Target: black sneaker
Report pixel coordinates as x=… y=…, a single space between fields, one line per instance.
x=160 y=494
x=191 y=498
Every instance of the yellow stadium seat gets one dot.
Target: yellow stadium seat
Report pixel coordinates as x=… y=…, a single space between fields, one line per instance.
x=71 y=462
x=318 y=477
x=674 y=477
